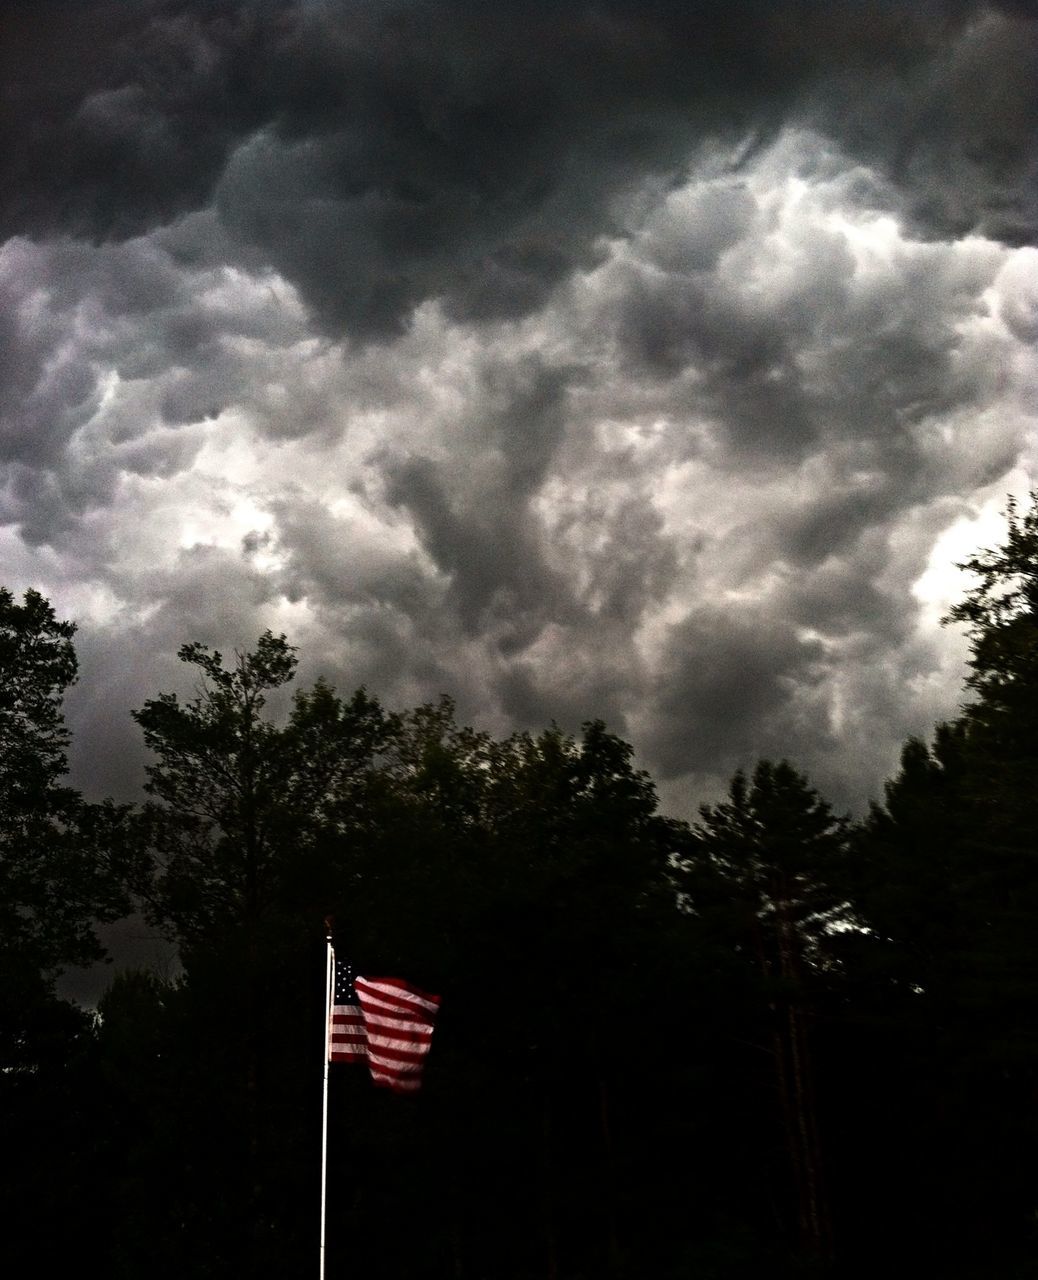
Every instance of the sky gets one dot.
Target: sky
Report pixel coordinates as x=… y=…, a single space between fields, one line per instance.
x=630 y=359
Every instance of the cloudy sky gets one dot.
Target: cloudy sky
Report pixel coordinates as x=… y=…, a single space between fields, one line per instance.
x=637 y=359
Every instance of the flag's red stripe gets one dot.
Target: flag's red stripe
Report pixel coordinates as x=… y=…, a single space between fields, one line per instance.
x=397 y=994
x=405 y=1013
x=388 y=1068
x=391 y=1028
x=395 y=1030
x=395 y=1057
x=398 y=986
x=396 y=1008
x=398 y=1049
x=397 y=1086
x=415 y=1017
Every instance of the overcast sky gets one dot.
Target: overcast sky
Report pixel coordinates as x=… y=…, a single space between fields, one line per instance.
x=632 y=359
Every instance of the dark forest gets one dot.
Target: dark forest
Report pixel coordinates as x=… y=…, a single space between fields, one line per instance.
x=776 y=1041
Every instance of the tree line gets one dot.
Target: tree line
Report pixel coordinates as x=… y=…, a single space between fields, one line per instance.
x=773 y=1041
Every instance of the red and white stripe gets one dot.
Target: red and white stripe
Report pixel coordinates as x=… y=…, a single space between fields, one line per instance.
x=391 y=1027
x=399 y=1022
x=347 y=1039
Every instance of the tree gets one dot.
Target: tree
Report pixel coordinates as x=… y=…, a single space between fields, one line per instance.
x=519 y=878
x=63 y=867
x=238 y=800
x=773 y=851
x=243 y=830
x=63 y=862
x=1000 y=611
x=945 y=980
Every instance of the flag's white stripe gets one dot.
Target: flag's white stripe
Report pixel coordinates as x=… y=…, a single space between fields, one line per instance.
x=391 y=1028
x=396 y=1051
x=395 y=1082
x=400 y=990
x=391 y=994
x=395 y=1066
x=397 y=1011
x=378 y=1018
x=369 y=1001
x=387 y=1035
x=391 y=1067
x=406 y=1026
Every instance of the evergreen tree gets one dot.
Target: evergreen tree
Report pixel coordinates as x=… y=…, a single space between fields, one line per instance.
x=1000 y=611
x=63 y=867
x=62 y=861
x=945 y=981
x=771 y=859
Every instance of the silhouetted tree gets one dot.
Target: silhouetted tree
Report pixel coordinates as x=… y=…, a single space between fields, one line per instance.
x=63 y=866
x=60 y=865
x=946 y=979
x=776 y=852
x=241 y=879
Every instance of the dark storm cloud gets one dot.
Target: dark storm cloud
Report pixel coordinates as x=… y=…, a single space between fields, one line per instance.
x=445 y=151
x=492 y=557
x=730 y=678
x=830 y=523
x=381 y=153
x=748 y=383
x=113 y=360
x=812 y=352
x=958 y=135
x=473 y=513
x=333 y=561
x=117 y=117
x=489 y=317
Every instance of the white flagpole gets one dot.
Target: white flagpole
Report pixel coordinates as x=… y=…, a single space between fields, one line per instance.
x=328 y=979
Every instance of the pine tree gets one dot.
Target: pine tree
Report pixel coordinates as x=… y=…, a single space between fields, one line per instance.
x=775 y=851
x=63 y=867
x=63 y=862
x=946 y=978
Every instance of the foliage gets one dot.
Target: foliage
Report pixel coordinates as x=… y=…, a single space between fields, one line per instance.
x=774 y=854
x=63 y=865
x=63 y=862
x=239 y=799
x=776 y=845
x=1000 y=611
x=946 y=981
x=59 y=858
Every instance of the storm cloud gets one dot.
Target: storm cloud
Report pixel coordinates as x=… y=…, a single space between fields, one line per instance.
x=641 y=360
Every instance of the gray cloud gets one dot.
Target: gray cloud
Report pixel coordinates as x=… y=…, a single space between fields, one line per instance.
x=957 y=135
x=623 y=360
x=475 y=152
x=728 y=680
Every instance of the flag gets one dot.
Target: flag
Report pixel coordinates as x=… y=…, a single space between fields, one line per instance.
x=347 y=1039
x=383 y=1021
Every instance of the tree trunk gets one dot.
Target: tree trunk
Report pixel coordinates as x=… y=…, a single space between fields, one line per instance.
x=795 y=1085
x=802 y=1117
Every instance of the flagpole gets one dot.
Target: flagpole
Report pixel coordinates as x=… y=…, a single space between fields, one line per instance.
x=329 y=965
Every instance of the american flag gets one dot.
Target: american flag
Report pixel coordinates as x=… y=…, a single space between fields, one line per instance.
x=383 y=1021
